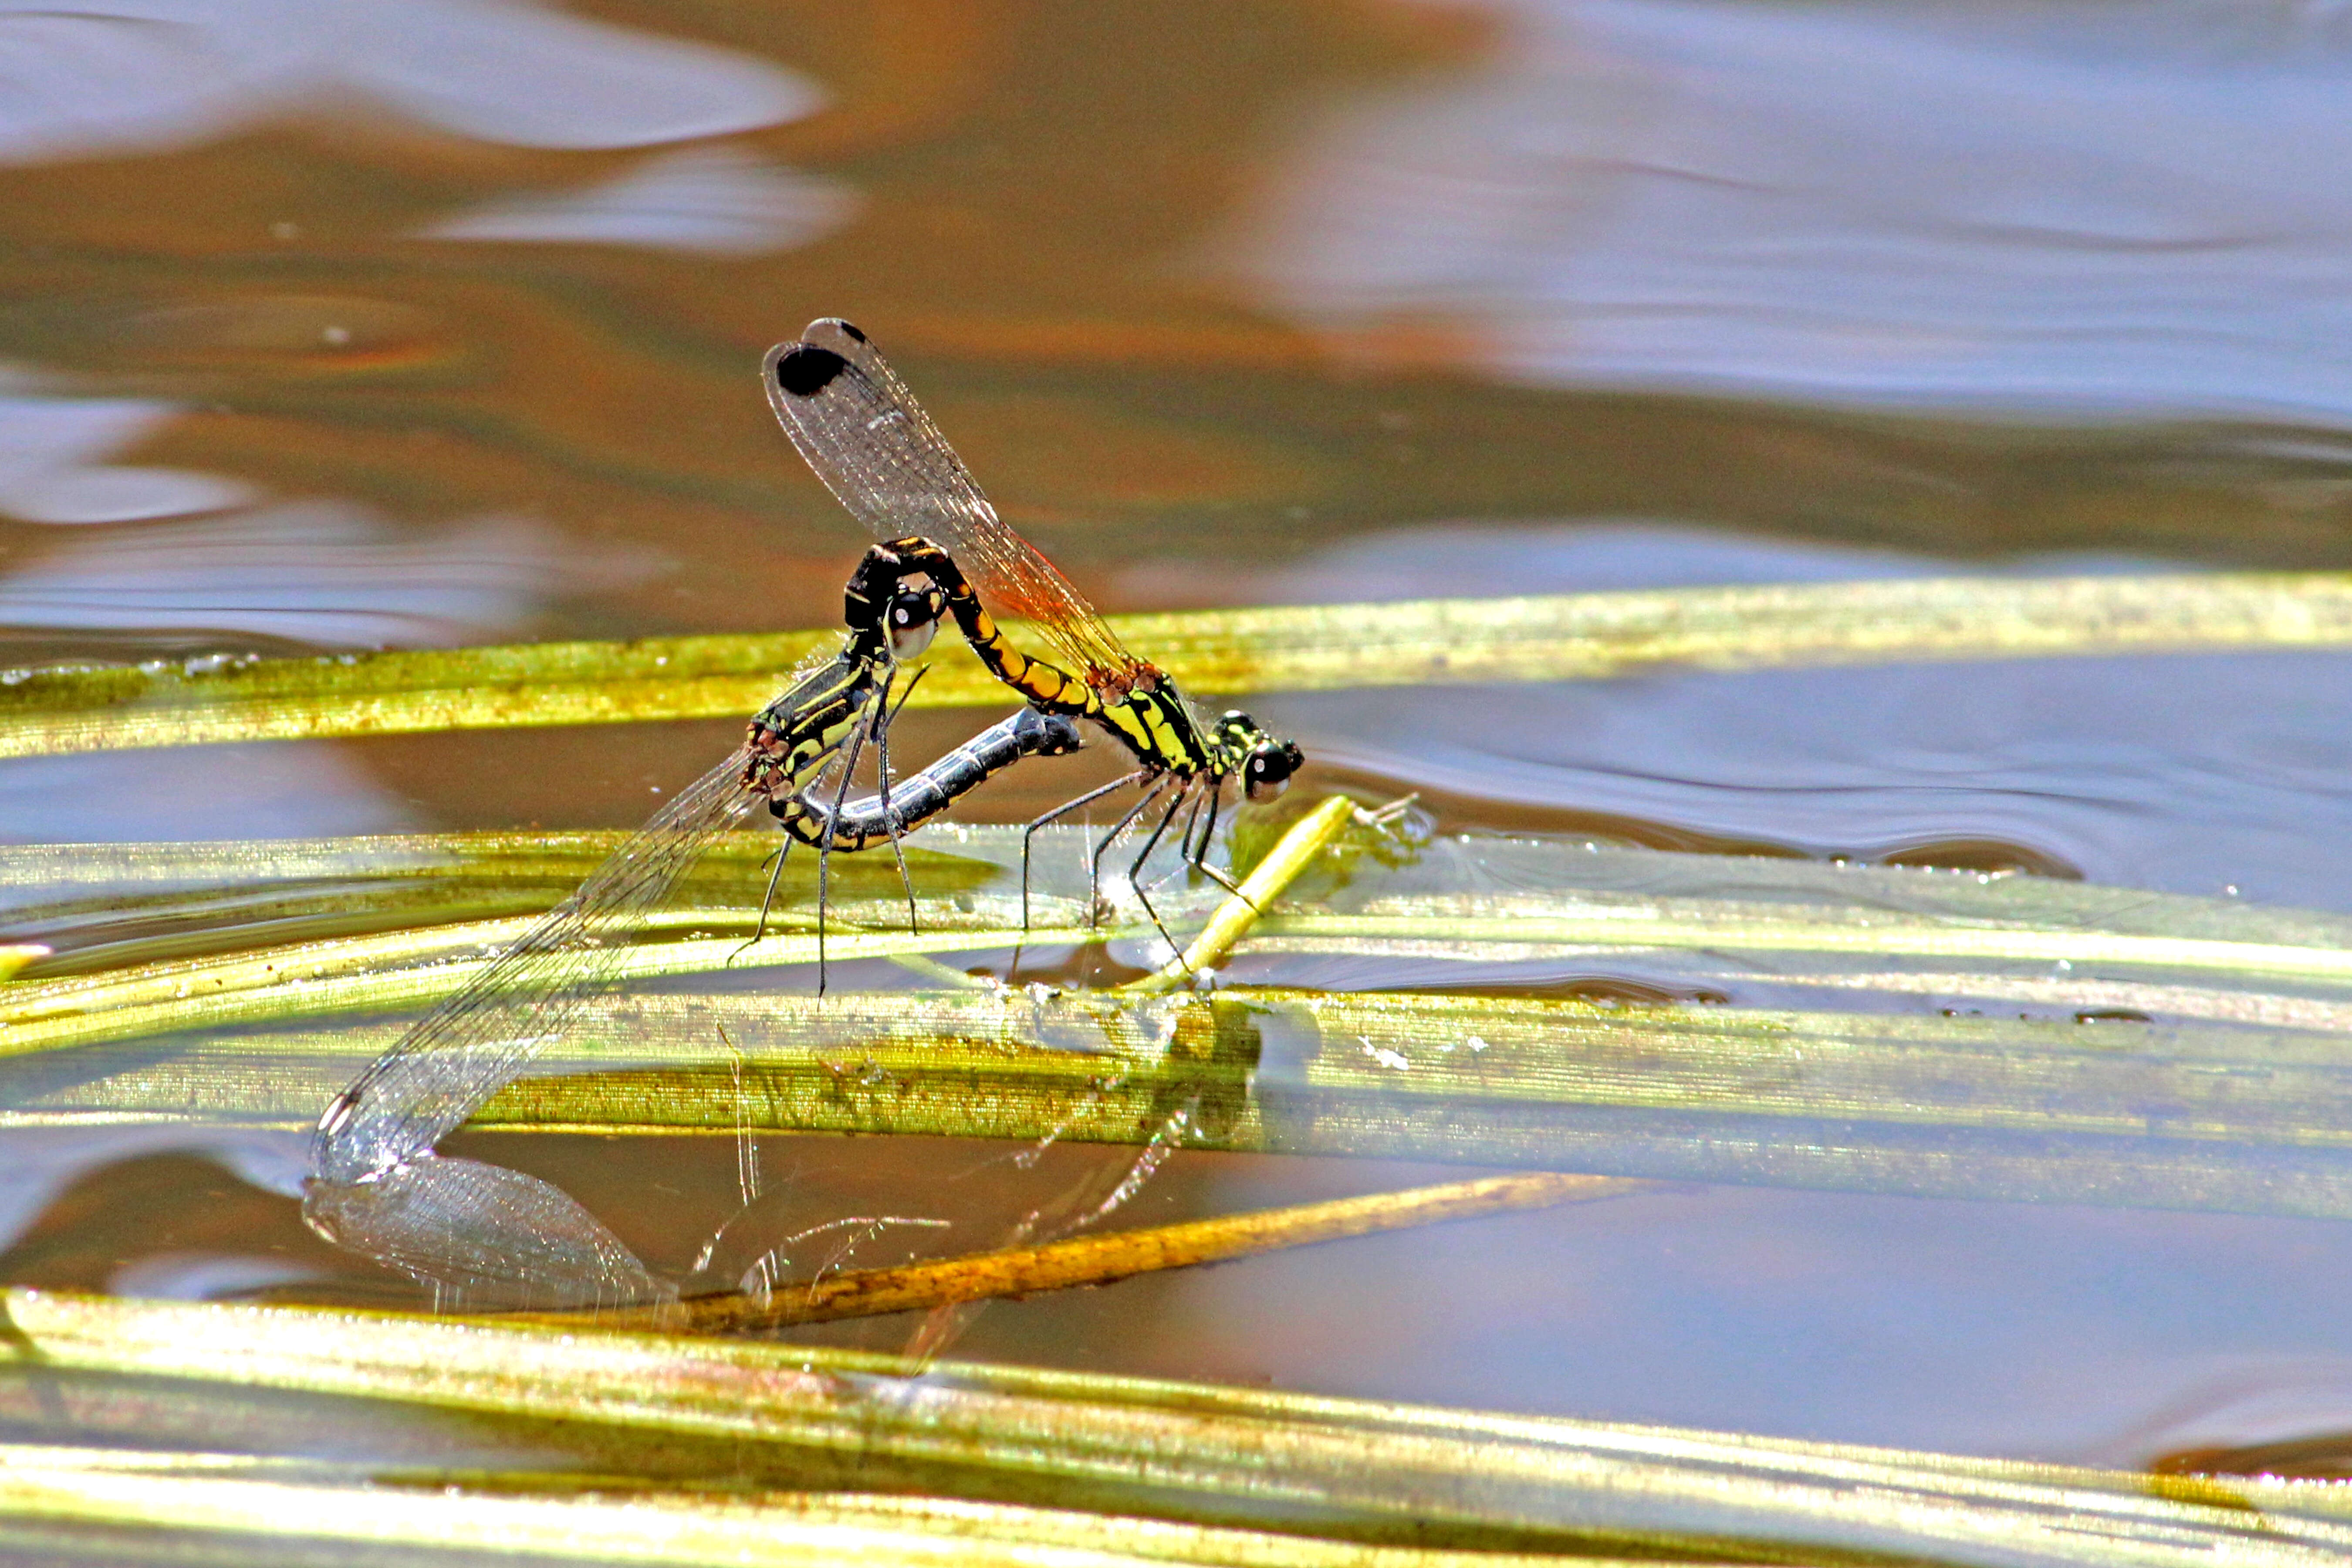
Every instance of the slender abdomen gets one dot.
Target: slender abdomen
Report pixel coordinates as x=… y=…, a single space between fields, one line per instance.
x=865 y=822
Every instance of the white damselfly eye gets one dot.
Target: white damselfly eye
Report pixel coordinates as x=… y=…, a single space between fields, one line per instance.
x=1266 y=773
x=912 y=621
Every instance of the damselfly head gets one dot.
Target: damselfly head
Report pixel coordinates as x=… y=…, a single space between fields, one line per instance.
x=912 y=616
x=1266 y=763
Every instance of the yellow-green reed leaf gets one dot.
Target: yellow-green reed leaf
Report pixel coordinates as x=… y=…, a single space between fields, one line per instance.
x=374 y=969
x=386 y=973
x=2117 y=1113
x=1102 y=1260
x=166 y=703
x=1314 y=1463
x=566 y=857
x=1268 y=881
x=259 y=1502
x=1551 y=878
x=990 y=1064
x=2090 y=999
x=1310 y=647
x=2008 y=1109
x=119 y=906
x=1629 y=891
x=1496 y=1056
x=2012 y=922
x=1589 y=636
x=14 y=956
x=1534 y=934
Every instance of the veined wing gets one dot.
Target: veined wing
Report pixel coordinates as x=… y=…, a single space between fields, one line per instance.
x=463 y=1051
x=876 y=450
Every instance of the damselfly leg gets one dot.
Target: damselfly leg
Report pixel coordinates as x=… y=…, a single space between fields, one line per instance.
x=1117 y=831
x=882 y=767
x=1029 y=835
x=1135 y=866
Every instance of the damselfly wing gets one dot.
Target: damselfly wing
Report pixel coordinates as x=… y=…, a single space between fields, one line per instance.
x=871 y=442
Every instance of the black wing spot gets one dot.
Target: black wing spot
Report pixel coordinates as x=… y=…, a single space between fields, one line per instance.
x=853 y=332
x=804 y=370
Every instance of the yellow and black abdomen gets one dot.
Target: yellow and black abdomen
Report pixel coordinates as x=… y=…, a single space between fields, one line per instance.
x=1047 y=686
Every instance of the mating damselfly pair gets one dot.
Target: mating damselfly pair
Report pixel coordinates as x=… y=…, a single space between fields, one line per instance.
x=946 y=554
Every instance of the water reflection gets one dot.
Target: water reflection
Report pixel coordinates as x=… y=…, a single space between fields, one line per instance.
x=268 y=791
x=322 y=574
x=53 y=467
x=131 y=76
x=2204 y=773
x=2056 y=207
x=2049 y=1332
x=312 y=574
x=41 y=1164
x=717 y=200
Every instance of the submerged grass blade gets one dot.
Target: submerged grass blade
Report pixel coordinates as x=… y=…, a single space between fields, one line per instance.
x=1310 y=647
x=403 y=969
x=1197 y=1454
x=1101 y=1260
x=1743 y=930
x=392 y=971
x=2112 y=1112
x=1564 y=903
x=2256 y=1116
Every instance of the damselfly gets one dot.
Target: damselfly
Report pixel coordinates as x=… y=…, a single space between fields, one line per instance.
x=451 y=1062
x=875 y=448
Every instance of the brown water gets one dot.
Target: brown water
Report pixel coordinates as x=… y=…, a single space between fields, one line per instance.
x=350 y=326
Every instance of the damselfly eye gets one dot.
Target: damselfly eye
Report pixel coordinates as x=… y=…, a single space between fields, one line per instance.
x=913 y=618
x=1266 y=773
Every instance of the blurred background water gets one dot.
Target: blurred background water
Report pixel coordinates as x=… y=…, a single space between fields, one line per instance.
x=339 y=324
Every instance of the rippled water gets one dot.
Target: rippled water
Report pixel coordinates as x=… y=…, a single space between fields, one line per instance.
x=342 y=325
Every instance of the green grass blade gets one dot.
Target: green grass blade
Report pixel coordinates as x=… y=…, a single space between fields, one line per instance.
x=2116 y=1113
x=2206 y=952
x=1310 y=647
x=2251 y=1112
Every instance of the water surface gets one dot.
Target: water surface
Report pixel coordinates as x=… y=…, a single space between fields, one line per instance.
x=337 y=326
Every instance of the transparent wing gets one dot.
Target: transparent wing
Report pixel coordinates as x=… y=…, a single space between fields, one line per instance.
x=455 y=1059
x=876 y=450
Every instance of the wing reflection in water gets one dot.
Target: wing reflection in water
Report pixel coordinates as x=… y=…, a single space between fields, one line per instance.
x=481 y=1235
